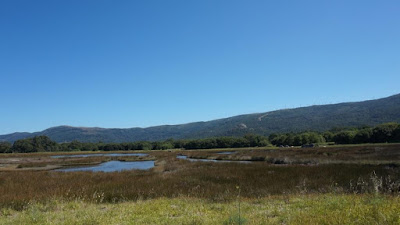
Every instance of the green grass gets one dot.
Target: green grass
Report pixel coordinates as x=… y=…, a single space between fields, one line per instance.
x=289 y=209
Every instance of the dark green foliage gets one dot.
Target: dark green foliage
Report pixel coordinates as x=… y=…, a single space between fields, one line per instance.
x=297 y=139
x=5 y=147
x=363 y=136
x=43 y=143
x=385 y=133
x=35 y=144
x=73 y=146
x=169 y=144
x=396 y=134
x=389 y=132
x=256 y=140
x=249 y=140
x=344 y=137
x=328 y=135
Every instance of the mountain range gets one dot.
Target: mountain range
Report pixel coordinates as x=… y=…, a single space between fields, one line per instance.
x=315 y=118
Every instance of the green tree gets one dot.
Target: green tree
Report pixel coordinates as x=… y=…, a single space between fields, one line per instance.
x=5 y=147
x=363 y=136
x=384 y=132
x=328 y=136
x=35 y=144
x=344 y=137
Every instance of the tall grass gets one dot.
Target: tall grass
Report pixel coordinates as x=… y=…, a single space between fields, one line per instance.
x=358 y=154
x=340 y=187
x=212 y=181
x=343 y=172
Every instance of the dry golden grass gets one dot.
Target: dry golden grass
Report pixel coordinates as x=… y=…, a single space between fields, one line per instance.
x=214 y=181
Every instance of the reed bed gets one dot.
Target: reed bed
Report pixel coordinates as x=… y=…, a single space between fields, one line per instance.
x=180 y=178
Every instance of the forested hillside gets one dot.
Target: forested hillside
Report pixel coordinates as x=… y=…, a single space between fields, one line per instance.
x=315 y=118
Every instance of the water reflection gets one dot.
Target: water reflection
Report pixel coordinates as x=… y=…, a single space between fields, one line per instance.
x=113 y=166
x=209 y=160
x=96 y=154
x=225 y=153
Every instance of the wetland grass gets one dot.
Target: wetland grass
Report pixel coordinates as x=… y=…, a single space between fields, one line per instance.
x=211 y=181
x=178 y=191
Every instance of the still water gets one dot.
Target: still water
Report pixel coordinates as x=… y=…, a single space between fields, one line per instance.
x=94 y=155
x=225 y=153
x=209 y=160
x=113 y=166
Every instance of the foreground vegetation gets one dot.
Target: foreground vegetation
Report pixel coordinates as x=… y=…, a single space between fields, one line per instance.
x=289 y=209
x=334 y=185
x=353 y=170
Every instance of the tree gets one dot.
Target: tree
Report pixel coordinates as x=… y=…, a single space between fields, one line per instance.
x=384 y=132
x=35 y=144
x=396 y=134
x=328 y=136
x=5 y=147
x=22 y=146
x=74 y=146
x=363 y=136
x=344 y=137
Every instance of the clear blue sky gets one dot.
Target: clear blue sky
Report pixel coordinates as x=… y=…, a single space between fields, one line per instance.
x=144 y=63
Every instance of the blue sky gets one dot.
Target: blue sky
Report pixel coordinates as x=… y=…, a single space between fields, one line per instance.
x=144 y=63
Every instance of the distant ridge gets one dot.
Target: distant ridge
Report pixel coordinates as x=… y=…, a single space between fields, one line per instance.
x=316 y=118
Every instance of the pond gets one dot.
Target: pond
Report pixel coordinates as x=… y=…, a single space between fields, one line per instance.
x=96 y=154
x=209 y=160
x=113 y=166
x=225 y=153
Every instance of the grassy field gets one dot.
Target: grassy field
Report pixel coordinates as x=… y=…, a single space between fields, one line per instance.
x=335 y=185
x=288 y=209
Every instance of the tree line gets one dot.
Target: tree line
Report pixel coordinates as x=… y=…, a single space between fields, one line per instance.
x=389 y=132
x=45 y=144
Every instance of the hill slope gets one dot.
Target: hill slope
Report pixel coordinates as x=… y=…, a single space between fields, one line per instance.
x=317 y=118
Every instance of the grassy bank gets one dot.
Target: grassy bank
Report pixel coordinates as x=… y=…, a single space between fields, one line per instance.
x=287 y=209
